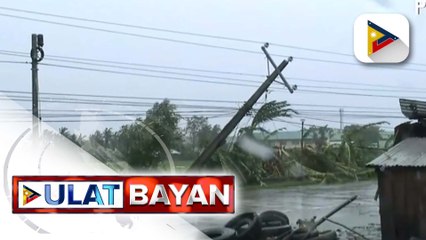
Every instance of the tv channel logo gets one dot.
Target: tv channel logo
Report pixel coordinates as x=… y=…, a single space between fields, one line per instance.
x=69 y=194
x=124 y=194
x=381 y=38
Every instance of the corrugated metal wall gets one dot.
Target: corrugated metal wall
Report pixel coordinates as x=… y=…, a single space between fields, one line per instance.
x=402 y=203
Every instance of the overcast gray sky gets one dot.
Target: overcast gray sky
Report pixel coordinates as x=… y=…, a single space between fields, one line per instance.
x=324 y=25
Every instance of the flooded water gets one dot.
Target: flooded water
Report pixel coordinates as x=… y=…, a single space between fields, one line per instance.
x=305 y=202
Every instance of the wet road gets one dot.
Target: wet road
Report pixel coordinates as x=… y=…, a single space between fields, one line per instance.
x=304 y=202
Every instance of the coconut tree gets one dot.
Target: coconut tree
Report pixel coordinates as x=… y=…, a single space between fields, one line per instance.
x=267 y=112
x=361 y=140
x=320 y=136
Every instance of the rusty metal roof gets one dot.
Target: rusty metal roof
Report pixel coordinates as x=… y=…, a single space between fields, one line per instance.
x=413 y=109
x=411 y=152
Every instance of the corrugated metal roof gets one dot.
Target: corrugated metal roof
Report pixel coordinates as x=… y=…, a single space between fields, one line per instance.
x=413 y=109
x=411 y=152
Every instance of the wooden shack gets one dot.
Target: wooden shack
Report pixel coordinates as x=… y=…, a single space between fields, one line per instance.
x=401 y=173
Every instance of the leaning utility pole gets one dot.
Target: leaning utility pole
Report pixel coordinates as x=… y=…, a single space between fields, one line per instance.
x=229 y=127
x=302 y=133
x=36 y=48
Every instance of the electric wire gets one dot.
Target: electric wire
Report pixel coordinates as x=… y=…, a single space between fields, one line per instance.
x=418 y=90
x=196 y=43
x=106 y=99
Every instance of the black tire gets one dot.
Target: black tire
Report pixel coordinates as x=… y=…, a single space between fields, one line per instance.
x=247 y=226
x=220 y=233
x=273 y=218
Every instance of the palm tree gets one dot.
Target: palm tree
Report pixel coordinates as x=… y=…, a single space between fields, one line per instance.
x=320 y=136
x=250 y=167
x=357 y=142
x=268 y=112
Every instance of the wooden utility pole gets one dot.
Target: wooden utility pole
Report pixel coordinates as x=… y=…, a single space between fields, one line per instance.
x=302 y=133
x=36 y=48
x=229 y=127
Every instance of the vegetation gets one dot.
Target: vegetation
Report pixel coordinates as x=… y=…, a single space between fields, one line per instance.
x=143 y=143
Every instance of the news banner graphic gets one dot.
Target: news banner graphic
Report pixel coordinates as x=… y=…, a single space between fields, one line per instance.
x=381 y=38
x=123 y=194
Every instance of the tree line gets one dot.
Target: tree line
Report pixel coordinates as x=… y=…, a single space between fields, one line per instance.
x=136 y=145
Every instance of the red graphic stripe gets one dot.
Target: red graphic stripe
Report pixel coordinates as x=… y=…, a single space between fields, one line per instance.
x=377 y=47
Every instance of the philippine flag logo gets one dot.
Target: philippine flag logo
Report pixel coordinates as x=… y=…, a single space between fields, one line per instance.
x=381 y=38
x=29 y=195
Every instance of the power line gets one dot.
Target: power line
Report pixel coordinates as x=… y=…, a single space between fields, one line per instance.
x=111 y=103
x=98 y=120
x=360 y=89
x=359 y=94
x=229 y=113
x=195 y=43
x=6 y=61
x=132 y=34
x=182 y=32
x=57 y=57
x=365 y=115
x=141 y=113
x=347 y=83
x=374 y=114
x=156 y=71
x=144 y=75
x=20 y=54
x=234 y=79
x=342 y=106
x=354 y=114
x=214 y=82
x=177 y=99
x=307 y=116
x=347 y=112
x=122 y=97
x=224 y=72
x=174 y=31
x=418 y=90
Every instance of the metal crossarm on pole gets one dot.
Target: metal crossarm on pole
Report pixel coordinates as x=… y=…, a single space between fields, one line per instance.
x=290 y=88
